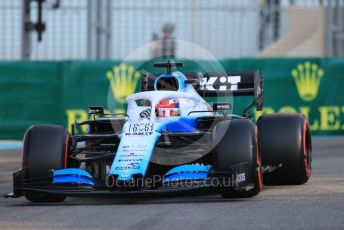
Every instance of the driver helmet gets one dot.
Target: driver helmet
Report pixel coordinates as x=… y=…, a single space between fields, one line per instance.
x=168 y=107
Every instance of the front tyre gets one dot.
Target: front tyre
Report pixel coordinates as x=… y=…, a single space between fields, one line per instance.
x=237 y=143
x=44 y=148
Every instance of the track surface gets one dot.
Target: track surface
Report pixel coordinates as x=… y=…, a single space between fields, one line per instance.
x=319 y=204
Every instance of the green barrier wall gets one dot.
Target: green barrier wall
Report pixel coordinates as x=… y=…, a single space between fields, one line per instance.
x=59 y=92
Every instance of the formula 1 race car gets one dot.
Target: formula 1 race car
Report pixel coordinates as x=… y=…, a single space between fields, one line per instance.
x=171 y=140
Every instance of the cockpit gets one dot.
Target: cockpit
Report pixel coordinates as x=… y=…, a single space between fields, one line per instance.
x=173 y=96
x=167 y=107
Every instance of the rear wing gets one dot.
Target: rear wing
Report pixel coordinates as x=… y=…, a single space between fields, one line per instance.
x=248 y=83
x=232 y=84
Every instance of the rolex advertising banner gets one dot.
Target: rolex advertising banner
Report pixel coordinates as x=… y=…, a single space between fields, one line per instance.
x=30 y=93
x=309 y=86
x=59 y=92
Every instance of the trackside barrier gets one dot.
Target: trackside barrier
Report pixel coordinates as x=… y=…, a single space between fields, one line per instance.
x=59 y=92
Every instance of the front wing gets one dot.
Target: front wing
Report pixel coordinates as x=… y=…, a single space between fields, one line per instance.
x=214 y=182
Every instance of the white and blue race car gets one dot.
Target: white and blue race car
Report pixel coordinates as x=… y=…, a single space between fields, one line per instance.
x=171 y=141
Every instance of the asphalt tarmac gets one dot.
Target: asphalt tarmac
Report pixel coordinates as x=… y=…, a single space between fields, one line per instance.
x=319 y=204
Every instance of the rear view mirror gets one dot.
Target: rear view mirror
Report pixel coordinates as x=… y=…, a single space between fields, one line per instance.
x=96 y=110
x=221 y=106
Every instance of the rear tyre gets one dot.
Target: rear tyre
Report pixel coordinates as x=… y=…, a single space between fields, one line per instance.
x=285 y=139
x=44 y=149
x=237 y=143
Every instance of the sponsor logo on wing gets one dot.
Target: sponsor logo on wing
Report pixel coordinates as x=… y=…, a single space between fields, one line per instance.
x=241 y=177
x=220 y=83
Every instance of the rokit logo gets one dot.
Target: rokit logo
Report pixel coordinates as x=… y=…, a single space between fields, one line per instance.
x=220 y=83
x=139 y=134
x=241 y=177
